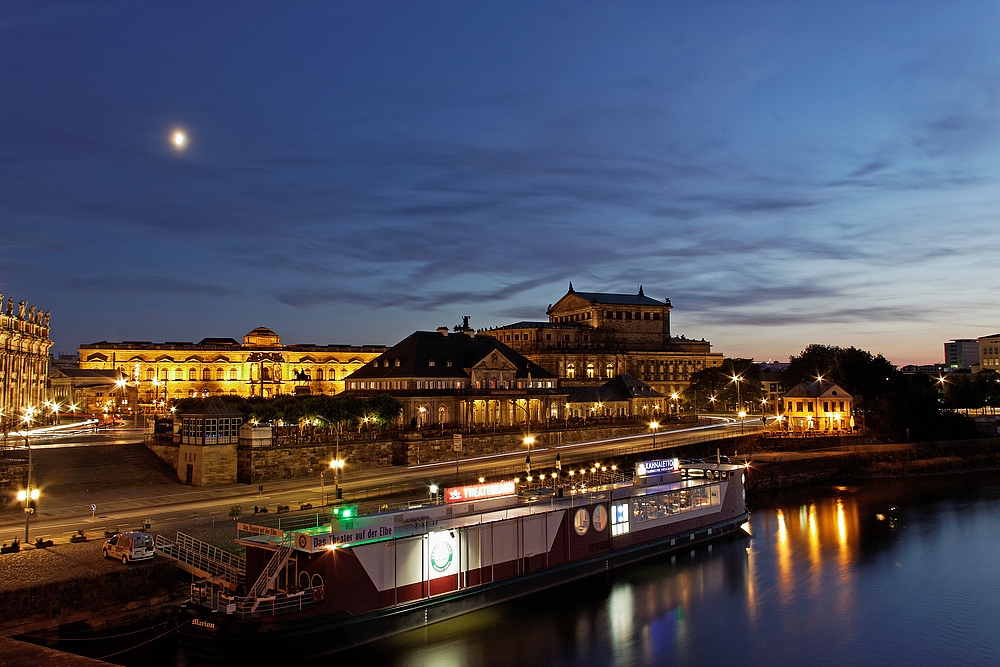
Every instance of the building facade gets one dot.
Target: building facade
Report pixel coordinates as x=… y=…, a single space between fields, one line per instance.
x=989 y=353
x=820 y=406
x=460 y=379
x=259 y=366
x=24 y=359
x=591 y=337
x=961 y=353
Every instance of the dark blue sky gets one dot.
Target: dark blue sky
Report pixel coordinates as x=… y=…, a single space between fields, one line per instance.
x=786 y=173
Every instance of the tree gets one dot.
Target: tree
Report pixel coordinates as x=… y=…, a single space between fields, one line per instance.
x=718 y=382
x=384 y=409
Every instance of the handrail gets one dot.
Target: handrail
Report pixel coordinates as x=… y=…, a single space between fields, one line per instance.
x=204 y=557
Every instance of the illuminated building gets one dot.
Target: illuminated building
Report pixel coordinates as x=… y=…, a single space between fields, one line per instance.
x=259 y=366
x=24 y=358
x=819 y=405
x=591 y=337
x=989 y=353
x=443 y=377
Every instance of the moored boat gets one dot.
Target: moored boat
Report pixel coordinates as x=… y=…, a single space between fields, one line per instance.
x=335 y=580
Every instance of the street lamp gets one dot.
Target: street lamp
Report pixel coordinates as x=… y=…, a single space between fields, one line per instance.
x=28 y=494
x=433 y=490
x=337 y=465
x=654 y=426
x=674 y=397
x=529 y=441
x=743 y=415
x=711 y=399
x=422 y=411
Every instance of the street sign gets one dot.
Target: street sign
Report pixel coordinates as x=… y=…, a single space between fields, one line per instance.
x=456 y=442
x=93 y=507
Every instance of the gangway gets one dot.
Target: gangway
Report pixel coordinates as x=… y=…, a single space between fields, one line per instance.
x=204 y=560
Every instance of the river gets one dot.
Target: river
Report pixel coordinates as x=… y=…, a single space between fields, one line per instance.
x=876 y=573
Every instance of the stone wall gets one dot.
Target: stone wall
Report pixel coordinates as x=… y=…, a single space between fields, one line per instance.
x=166 y=450
x=256 y=465
x=13 y=469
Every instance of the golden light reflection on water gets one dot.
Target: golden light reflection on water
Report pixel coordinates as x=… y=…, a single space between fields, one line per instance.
x=825 y=534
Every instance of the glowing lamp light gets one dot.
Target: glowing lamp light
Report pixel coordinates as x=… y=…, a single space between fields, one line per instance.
x=179 y=139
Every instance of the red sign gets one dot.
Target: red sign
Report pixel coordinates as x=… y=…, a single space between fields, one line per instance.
x=461 y=494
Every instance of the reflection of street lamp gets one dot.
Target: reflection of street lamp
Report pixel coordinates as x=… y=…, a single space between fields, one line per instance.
x=654 y=426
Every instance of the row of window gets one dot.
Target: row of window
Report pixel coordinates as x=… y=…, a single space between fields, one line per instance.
x=827 y=405
x=231 y=374
x=662 y=505
x=213 y=430
x=385 y=385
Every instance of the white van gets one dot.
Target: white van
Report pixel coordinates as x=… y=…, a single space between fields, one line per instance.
x=133 y=545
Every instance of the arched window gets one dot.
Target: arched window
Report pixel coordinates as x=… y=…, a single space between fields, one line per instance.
x=571 y=370
x=206 y=373
x=442 y=415
x=192 y=373
x=178 y=373
x=609 y=370
x=220 y=374
x=149 y=373
x=233 y=374
x=319 y=373
x=590 y=370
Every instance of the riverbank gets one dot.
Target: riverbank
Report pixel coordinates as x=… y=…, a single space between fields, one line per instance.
x=779 y=469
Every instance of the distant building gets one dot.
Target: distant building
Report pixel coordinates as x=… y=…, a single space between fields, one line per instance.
x=770 y=380
x=819 y=405
x=927 y=369
x=989 y=353
x=89 y=391
x=259 y=366
x=591 y=337
x=24 y=358
x=63 y=361
x=459 y=378
x=621 y=396
x=961 y=354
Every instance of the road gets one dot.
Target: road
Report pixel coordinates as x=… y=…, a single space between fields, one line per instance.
x=171 y=507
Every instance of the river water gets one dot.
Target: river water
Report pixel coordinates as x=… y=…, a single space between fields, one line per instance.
x=877 y=573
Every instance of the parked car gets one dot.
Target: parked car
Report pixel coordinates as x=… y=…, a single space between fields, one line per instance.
x=130 y=546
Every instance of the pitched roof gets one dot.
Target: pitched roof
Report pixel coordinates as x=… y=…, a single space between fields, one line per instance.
x=438 y=355
x=816 y=389
x=629 y=386
x=87 y=374
x=622 y=387
x=619 y=299
x=214 y=406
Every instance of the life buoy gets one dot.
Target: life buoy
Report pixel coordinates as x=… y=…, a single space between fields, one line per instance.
x=318 y=594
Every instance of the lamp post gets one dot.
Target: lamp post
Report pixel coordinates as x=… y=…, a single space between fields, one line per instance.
x=677 y=408
x=654 y=426
x=529 y=441
x=28 y=494
x=337 y=465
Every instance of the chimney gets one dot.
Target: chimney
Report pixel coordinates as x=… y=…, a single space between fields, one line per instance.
x=443 y=331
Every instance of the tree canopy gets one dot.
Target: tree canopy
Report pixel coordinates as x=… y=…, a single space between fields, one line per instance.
x=717 y=383
x=339 y=411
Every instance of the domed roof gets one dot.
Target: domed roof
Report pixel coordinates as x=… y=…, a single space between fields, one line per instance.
x=262 y=336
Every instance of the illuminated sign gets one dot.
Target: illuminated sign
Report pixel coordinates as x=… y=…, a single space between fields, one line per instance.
x=260 y=530
x=657 y=467
x=365 y=530
x=441 y=554
x=461 y=494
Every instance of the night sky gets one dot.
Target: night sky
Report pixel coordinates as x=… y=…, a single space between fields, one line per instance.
x=785 y=173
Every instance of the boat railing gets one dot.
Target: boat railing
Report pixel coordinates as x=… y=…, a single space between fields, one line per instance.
x=277 y=603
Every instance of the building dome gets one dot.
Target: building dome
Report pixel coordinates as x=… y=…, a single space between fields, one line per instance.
x=262 y=336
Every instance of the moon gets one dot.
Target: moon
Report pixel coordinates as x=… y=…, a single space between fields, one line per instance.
x=179 y=139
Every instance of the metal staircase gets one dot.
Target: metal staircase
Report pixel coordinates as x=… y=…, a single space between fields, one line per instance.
x=204 y=560
x=270 y=574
